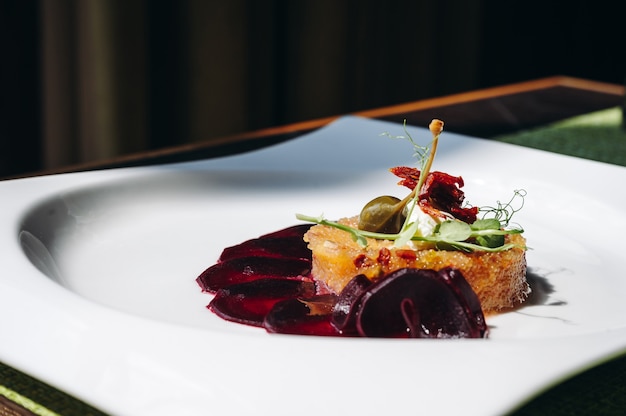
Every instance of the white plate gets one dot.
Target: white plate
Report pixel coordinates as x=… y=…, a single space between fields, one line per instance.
x=106 y=306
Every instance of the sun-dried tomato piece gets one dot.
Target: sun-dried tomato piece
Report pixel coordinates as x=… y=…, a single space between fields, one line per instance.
x=410 y=176
x=384 y=256
x=440 y=191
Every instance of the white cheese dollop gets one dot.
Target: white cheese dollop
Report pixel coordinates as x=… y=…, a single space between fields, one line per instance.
x=426 y=223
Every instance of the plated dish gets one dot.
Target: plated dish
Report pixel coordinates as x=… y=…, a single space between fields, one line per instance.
x=101 y=266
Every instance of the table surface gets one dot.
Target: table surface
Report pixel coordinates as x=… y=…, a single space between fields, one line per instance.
x=483 y=113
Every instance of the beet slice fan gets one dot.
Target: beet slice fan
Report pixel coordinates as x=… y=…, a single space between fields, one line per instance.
x=303 y=316
x=285 y=243
x=347 y=306
x=266 y=282
x=247 y=269
x=249 y=303
x=421 y=304
x=282 y=254
x=293 y=231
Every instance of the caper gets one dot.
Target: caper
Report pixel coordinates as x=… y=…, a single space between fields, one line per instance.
x=383 y=214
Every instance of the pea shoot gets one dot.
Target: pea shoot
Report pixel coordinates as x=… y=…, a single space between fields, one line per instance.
x=389 y=218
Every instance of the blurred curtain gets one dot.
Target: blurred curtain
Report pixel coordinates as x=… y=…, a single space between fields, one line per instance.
x=83 y=80
x=20 y=88
x=94 y=85
x=122 y=76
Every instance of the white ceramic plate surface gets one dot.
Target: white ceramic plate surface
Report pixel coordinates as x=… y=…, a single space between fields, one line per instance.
x=99 y=296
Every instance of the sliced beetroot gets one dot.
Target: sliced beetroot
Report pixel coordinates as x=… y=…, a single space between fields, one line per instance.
x=421 y=304
x=249 y=303
x=310 y=316
x=293 y=231
x=247 y=269
x=284 y=247
x=267 y=282
x=344 y=311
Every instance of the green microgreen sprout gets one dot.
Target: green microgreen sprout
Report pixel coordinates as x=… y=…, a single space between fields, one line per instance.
x=419 y=152
x=410 y=228
x=504 y=212
x=450 y=234
x=485 y=234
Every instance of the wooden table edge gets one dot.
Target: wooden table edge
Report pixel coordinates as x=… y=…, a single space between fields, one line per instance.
x=293 y=129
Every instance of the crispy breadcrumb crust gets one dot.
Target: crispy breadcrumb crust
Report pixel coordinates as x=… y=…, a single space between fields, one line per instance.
x=499 y=279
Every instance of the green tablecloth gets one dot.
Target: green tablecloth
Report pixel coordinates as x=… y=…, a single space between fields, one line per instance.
x=599 y=391
x=596 y=136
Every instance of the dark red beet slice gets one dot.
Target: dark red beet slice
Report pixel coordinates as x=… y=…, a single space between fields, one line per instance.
x=421 y=304
x=344 y=312
x=310 y=316
x=249 y=303
x=284 y=247
x=266 y=282
x=247 y=269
